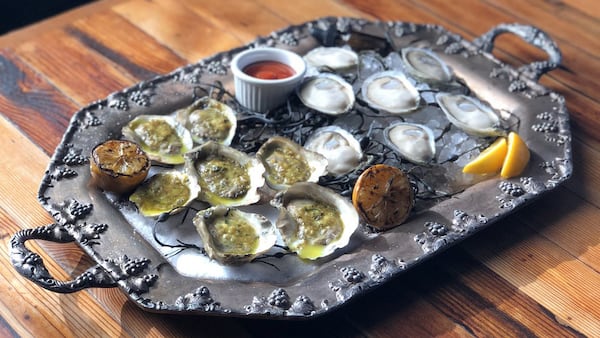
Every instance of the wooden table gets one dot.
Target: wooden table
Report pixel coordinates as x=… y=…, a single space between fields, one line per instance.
x=535 y=273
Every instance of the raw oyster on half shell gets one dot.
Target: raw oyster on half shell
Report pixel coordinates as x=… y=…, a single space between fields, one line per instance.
x=160 y=136
x=314 y=221
x=425 y=65
x=414 y=142
x=391 y=91
x=470 y=114
x=332 y=58
x=226 y=176
x=233 y=236
x=338 y=146
x=327 y=93
x=286 y=163
x=208 y=120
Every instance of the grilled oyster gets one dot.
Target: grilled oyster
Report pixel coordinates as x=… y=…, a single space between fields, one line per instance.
x=314 y=221
x=425 y=65
x=327 y=93
x=338 y=146
x=165 y=192
x=286 y=163
x=470 y=114
x=391 y=91
x=208 y=120
x=233 y=236
x=332 y=58
x=414 y=142
x=227 y=176
x=160 y=136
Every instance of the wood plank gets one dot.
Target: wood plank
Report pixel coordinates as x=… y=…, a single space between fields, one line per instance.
x=503 y=296
x=543 y=271
x=586 y=178
x=543 y=13
x=244 y=20
x=390 y=10
x=308 y=10
x=578 y=235
x=16 y=37
x=585 y=7
x=124 y=44
x=32 y=103
x=178 y=28
x=73 y=68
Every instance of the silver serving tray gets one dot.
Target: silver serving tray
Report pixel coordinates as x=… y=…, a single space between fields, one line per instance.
x=143 y=257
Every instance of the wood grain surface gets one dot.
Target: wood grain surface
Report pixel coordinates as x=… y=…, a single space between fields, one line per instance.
x=535 y=273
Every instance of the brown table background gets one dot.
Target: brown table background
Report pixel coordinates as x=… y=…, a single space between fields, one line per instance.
x=535 y=273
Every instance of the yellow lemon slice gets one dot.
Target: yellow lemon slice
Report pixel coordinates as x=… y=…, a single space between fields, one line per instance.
x=490 y=160
x=517 y=156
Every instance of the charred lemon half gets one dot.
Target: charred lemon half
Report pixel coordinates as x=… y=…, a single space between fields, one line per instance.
x=383 y=196
x=118 y=166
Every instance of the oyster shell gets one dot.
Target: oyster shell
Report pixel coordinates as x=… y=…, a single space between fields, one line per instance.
x=327 y=93
x=160 y=136
x=332 y=58
x=470 y=114
x=233 y=236
x=391 y=91
x=425 y=65
x=286 y=163
x=338 y=146
x=165 y=192
x=226 y=176
x=314 y=221
x=208 y=120
x=414 y=142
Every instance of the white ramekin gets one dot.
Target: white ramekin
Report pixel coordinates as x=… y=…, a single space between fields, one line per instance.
x=262 y=95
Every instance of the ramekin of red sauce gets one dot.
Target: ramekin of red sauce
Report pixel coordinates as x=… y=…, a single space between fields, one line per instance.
x=269 y=70
x=265 y=77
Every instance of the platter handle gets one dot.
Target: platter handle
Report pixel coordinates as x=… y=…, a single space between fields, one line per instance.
x=31 y=265
x=531 y=35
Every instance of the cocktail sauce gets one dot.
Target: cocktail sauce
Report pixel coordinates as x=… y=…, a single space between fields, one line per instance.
x=268 y=70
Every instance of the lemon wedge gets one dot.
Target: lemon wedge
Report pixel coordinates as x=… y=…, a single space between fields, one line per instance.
x=490 y=160
x=517 y=156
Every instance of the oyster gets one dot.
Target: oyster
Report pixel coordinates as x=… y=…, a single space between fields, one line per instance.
x=286 y=163
x=160 y=136
x=470 y=114
x=339 y=147
x=314 y=221
x=391 y=91
x=208 y=120
x=414 y=142
x=165 y=192
x=233 y=236
x=332 y=58
x=226 y=176
x=327 y=93
x=425 y=65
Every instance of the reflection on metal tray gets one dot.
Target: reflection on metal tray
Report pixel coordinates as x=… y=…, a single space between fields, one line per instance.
x=158 y=262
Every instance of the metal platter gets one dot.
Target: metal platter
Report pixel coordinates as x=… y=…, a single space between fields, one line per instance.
x=159 y=263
